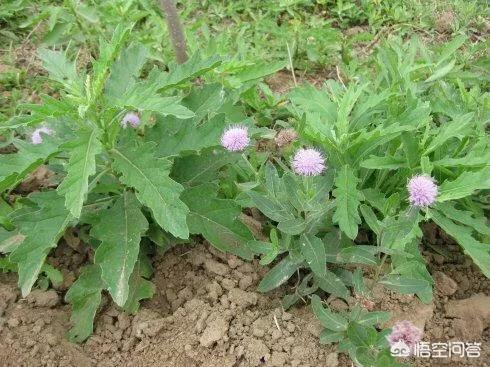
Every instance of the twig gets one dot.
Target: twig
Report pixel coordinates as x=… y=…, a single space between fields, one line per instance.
x=175 y=29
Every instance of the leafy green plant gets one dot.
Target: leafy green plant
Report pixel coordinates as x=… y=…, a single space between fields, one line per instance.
x=136 y=164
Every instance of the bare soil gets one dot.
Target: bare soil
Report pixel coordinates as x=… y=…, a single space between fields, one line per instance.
x=207 y=313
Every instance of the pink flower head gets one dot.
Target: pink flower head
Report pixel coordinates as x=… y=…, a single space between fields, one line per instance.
x=235 y=138
x=36 y=137
x=404 y=333
x=132 y=119
x=422 y=191
x=308 y=162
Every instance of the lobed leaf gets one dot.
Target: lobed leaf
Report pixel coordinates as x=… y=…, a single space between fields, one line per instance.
x=119 y=229
x=80 y=167
x=42 y=226
x=148 y=175
x=348 y=200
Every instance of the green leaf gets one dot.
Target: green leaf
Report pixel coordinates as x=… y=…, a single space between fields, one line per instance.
x=188 y=137
x=148 y=175
x=80 y=167
x=217 y=220
x=348 y=199
x=405 y=285
x=479 y=252
x=139 y=287
x=278 y=275
x=119 y=229
x=465 y=185
x=191 y=69
x=361 y=335
x=332 y=284
x=84 y=296
x=16 y=166
x=42 y=227
x=329 y=336
x=371 y=219
x=388 y=162
x=125 y=70
x=196 y=169
x=441 y=72
x=460 y=127
x=270 y=207
x=62 y=70
x=373 y=318
x=313 y=251
x=467 y=218
x=327 y=318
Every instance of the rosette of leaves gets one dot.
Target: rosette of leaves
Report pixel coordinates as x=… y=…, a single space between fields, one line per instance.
x=125 y=189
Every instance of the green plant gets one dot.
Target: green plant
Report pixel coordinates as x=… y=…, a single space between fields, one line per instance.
x=125 y=180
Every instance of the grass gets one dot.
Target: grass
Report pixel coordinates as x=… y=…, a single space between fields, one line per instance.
x=317 y=37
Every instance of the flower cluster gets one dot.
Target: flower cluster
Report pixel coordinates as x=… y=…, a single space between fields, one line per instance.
x=235 y=138
x=404 y=334
x=36 y=137
x=422 y=191
x=132 y=119
x=308 y=162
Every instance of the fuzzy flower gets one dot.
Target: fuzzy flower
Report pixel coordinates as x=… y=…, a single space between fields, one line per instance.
x=308 y=162
x=422 y=191
x=36 y=137
x=404 y=334
x=235 y=138
x=132 y=119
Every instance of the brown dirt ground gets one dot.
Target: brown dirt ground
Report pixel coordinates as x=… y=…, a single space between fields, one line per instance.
x=206 y=313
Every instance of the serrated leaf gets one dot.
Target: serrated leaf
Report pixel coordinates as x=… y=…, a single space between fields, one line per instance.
x=313 y=251
x=119 y=229
x=194 y=170
x=217 y=220
x=467 y=218
x=465 y=185
x=125 y=70
x=62 y=70
x=278 y=275
x=192 y=68
x=80 y=167
x=42 y=227
x=84 y=296
x=188 y=137
x=327 y=318
x=347 y=199
x=479 y=252
x=16 y=166
x=148 y=175
x=139 y=287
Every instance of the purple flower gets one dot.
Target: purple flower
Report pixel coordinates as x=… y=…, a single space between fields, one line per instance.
x=308 y=162
x=36 y=137
x=235 y=138
x=132 y=119
x=404 y=334
x=422 y=191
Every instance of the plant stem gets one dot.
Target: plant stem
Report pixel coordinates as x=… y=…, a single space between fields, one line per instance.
x=175 y=29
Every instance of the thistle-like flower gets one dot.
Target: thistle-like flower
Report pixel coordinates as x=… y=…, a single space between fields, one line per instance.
x=235 y=138
x=36 y=137
x=422 y=191
x=404 y=333
x=308 y=162
x=132 y=119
